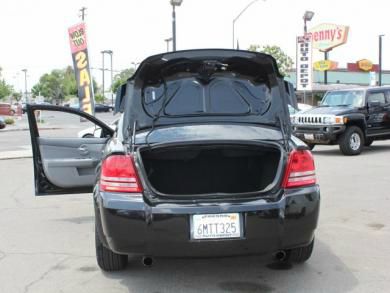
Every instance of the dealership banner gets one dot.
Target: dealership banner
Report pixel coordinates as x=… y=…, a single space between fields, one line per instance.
x=79 y=50
x=304 y=64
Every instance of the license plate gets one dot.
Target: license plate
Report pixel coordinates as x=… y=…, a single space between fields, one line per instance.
x=216 y=226
x=309 y=136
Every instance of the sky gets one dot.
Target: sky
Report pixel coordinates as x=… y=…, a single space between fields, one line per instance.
x=34 y=33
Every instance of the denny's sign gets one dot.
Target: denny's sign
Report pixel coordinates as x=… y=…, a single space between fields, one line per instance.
x=327 y=36
x=78 y=47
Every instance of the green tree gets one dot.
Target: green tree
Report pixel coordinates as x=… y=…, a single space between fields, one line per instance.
x=5 y=89
x=121 y=78
x=283 y=61
x=58 y=84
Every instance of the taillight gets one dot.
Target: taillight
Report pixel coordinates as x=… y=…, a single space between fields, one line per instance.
x=300 y=169
x=118 y=174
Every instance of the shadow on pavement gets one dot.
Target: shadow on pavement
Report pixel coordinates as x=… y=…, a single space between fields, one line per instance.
x=324 y=272
x=367 y=151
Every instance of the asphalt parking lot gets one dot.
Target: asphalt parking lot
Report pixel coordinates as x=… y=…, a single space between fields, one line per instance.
x=47 y=244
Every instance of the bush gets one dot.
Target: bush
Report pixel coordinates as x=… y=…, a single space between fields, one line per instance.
x=9 y=121
x=99 y=98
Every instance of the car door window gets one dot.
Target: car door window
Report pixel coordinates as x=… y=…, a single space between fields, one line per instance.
x=53 y=124
x=377 y=97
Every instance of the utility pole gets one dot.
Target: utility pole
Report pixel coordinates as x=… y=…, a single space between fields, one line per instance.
x=25 y=85
x=82 y=11
x=380 y=61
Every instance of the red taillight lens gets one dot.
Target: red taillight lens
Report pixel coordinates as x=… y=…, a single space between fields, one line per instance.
x=300 y=170
x=119 y=175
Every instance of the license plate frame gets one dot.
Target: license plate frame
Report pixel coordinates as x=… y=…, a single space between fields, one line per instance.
x=216 y=221
x=308 y=136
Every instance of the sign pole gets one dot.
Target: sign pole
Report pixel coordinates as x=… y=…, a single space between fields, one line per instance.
x=326 y=57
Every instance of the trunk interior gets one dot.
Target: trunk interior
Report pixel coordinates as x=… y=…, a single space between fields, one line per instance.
x=211 y=169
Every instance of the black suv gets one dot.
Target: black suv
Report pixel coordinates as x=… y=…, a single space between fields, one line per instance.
x=202 y=163
x=351 y=118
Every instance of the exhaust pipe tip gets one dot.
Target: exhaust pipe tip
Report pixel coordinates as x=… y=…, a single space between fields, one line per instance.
x=280 y=255
x=147 y=261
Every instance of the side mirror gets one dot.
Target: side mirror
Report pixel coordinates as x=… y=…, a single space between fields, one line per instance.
x=119 y=98
x=374 y=104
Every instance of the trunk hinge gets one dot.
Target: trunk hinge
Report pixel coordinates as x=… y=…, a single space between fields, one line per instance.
x=131 y=134
x=285 y=133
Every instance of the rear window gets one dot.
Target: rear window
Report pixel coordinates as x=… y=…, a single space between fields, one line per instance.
x=220 y=96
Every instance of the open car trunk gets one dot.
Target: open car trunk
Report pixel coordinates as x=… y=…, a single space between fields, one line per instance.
x=211 y=169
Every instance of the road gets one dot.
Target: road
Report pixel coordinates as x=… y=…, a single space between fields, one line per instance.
x=47 y=243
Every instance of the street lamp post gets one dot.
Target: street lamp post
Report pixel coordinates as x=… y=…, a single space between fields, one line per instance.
x=25 y=85
x=174 y=3
x=167 y=41
x=238 y=16
x=307 y=16
x=109 y=52
x=380 y=60
x=103 y=73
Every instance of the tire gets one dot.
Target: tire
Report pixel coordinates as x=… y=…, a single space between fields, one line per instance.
x=301 y=254
x=107 y=259
x=311 y=145
x=368 y=142
x=351 y=142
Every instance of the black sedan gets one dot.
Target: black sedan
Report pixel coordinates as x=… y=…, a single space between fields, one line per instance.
x=202 y=163
x=103 y=108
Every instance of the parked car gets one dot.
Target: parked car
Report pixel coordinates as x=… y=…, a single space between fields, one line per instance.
x=103 y=108
x=351 y=118
x=96 y=131
x=2 y=123
x=202 y=164
x=6 y=109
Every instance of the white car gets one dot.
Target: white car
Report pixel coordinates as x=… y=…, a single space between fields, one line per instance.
x=96 y=131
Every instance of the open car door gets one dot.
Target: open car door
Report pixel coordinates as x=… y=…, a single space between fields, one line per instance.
x=63 y=162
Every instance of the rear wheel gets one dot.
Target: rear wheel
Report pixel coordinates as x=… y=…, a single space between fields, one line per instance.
x=301 y=254
x=106 y=258
x=368 y=142
x=351 y=141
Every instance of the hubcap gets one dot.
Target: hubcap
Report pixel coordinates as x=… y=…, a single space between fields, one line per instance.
x=354 y=141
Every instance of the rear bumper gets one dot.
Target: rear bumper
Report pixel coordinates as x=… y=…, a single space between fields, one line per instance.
x=130 y=226
x=321 y=134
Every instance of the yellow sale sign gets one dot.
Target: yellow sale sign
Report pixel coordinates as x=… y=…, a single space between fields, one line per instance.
x=78 y=47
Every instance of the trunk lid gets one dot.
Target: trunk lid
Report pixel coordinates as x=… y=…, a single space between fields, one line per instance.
x=207 y=86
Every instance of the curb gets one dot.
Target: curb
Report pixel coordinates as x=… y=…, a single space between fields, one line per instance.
x=25 y=129
x=9 y=155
